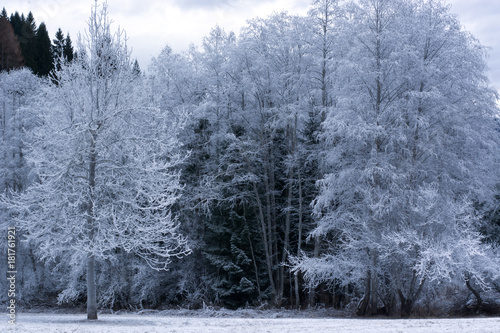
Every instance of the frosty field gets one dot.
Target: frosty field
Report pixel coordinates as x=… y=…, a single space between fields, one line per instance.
x=129 y=323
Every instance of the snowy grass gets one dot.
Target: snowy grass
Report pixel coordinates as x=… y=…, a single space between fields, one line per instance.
x=236 y=322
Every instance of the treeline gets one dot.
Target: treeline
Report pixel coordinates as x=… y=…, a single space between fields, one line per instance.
x=24 y=44
x=347 y=158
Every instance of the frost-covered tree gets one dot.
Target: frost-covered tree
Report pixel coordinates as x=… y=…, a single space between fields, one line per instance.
x=105 y=164
x=275 y=61
x=17 y=89
x=176 y=85
x=409 y=147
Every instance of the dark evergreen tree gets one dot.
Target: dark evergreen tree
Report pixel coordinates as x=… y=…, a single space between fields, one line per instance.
x=230 y=245
x=136 y=69
x=58 y=43
x=28 y=43
x=44 y=62
x=58 y=48
x=68 y=48
x=30 y=25
x=4 y=13
x=17 y=22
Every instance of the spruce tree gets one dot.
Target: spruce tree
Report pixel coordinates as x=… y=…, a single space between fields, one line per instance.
x=17 y=22
x=58 y=48
x=4 y=13
x=136 y=69
x=230 y=245
x=30 y=21
x=58 y=43
x=27 y=40
x=68 y=48
x=43 y=50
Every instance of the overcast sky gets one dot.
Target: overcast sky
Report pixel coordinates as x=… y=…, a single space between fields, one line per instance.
x=152 y=24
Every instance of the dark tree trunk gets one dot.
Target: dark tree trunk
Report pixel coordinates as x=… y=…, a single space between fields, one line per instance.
x=407 y=303
x=91 y=285
x=91 y=289
x=365 y=301
x=475 y=292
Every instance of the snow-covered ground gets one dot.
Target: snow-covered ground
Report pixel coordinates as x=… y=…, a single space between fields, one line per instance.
x=129 y=323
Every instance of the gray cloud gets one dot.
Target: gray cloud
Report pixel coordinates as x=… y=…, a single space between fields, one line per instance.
x=482 y=19
x=209 y=4
x=205 y=4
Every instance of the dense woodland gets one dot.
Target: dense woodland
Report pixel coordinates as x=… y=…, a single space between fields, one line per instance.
x=347 y=159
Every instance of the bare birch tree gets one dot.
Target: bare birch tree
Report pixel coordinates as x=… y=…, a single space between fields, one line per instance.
x=104 y=161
